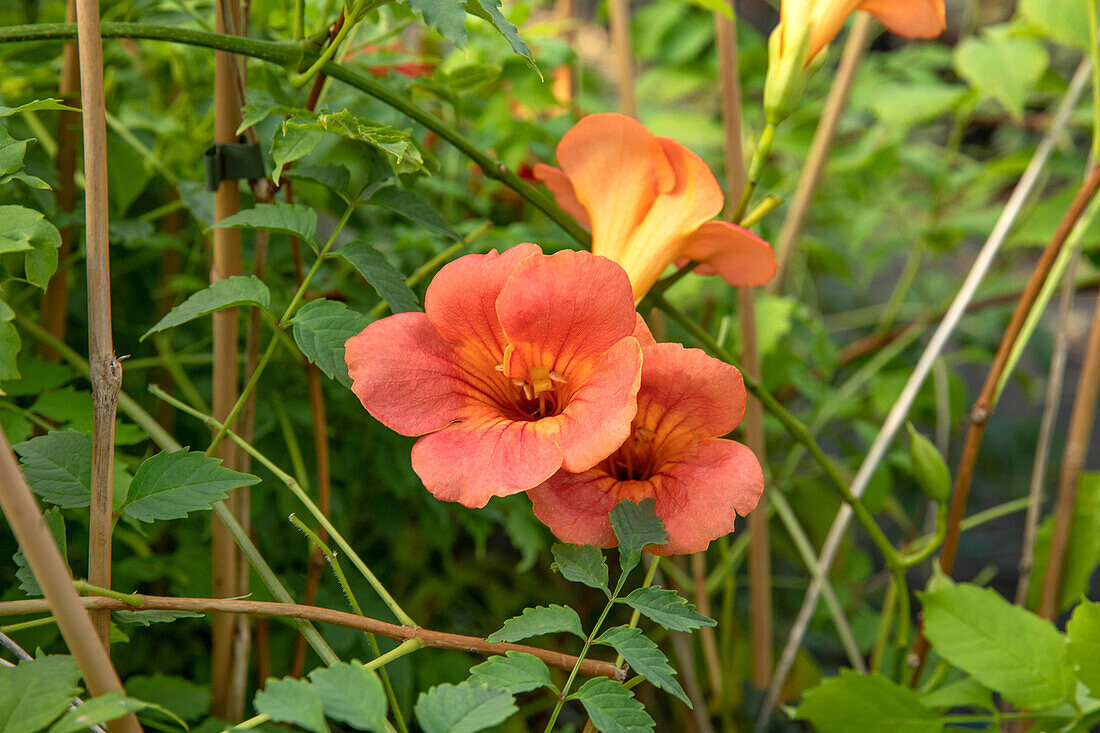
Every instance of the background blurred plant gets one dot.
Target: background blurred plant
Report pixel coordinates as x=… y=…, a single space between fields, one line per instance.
x=902 y=168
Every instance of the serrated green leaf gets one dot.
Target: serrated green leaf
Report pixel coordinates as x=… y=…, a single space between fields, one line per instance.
x=644 y=657
x=463 y=708
x=169 y=485
x=855 y=703
x=1006 y=648
x=290 y=144
x=291 y=701
x=352 y=694
x=148 y=618
x=612 y=707
x=58 y=467
x=26 y=178
x=36 y=691
x=963 y=693
x=335 y=178
x=12 y=152
x=28 y=231
x=10 y=345
x=515 y=672
x=397 y=146
x=230 y=292
x=258 y=110
x=413 y=207
x=386 y=280
x=581 y=564
x=56 y=524
x=321 y=328
x=292 y=219
x=38 y=105
x=448 y=17
x=101 y=709
x=1002 y=67
x=182 y=697
x=16 y=223
x=667 y=608
x=489 y=11
x=1083 y=631
x=550 y=619
x=636 y=527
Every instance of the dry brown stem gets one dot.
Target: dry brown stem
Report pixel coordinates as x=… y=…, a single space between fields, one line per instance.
x=622 y=48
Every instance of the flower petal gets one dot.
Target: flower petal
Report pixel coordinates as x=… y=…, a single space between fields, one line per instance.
x=912 y=18
x=699 y=496
x=404 y=374
x=461 y=304
x=617 y=168
x=575 y=506
x=559 y=185
x=597 y=418
x=642 y=332
x=562 y=310
x=739 y=256
x=695 y=198
x=687 y=395
x=484 y=456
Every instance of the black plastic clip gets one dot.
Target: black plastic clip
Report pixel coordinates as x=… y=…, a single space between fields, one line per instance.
x=232 y=162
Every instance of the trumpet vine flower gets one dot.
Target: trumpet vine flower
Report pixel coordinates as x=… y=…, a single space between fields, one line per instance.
x=649 y=201
x=674 y=455
x=824 y=19
x=520 y=365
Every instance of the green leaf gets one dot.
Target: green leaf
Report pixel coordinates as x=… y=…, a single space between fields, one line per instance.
x=148 y=618
x=34 y=692
x=12 y=152
x=489 y=10
x=16 y=223
x=1002 y=67
x=539 y=620
x=292 y=219
x=643 y=655
x=182 y=697
x=227 y=293
x=101 y=709
x=38 y=105
x=10 y=344
x=1005 y=647
x=855 y=703
x=636 y=526
x=463 y=708
x=335 y=178
x=1065 y=21
x=170 y=485
x=386 y=280
x=667 y=608
x=1082 y=554
x=290 y=144
x=352 y=694
x=321 y=327
x=581 y=564
x=448 y=17
x=612 y=707
x=58 y=467
x=966 y=692
x=258 y=110
x=56 y=524
x=398 y=146
x=413 y=207
x=26 y=230
x=515 y=672
x=291 y=701
x=1083 y=631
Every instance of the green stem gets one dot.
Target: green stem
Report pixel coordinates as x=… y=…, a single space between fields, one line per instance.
x=287 y=55
x=86 y=588
x=794 y=428
x=403 y=649
x=901 y=640
x=886 y=621
x=350 y=19
x=765 y=207
x=291 y=483
x=254 y=722
x=756 y=167
x=1094 y=55
x=24 y=625
x=635 y=617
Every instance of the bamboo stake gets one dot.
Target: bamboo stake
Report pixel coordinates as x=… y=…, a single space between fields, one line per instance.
x=1073 y=461
x=760 y=591
x=53 y=577
x=430 y=638
x=622 y=48
x=106 y=371
x=819 y=148
x=226 y=263
x=55 y=301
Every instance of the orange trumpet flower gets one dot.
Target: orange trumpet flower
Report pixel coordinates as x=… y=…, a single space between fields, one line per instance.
x=649 y=202
x=824 y=19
